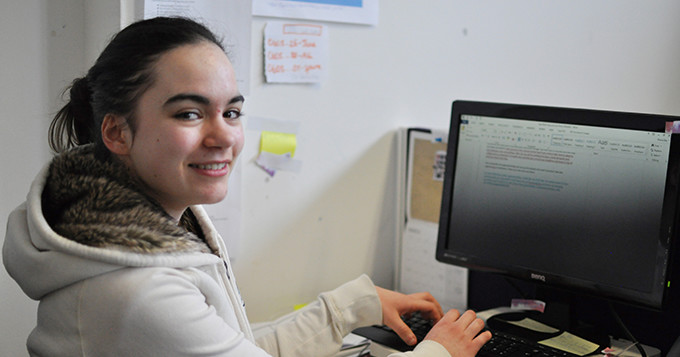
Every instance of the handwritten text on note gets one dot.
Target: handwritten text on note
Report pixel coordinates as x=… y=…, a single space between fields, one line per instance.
x=295 y=53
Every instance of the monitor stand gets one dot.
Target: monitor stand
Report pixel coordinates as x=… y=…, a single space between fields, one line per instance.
x=556 y=316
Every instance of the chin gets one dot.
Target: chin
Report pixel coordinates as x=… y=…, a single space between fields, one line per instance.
x=215 y=198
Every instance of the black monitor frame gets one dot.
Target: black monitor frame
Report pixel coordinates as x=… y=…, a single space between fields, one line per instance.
x=658 y=123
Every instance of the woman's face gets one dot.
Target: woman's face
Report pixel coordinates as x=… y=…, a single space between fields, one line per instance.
x=188 y=128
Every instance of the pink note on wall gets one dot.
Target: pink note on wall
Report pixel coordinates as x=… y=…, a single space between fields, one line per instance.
x=295 y=52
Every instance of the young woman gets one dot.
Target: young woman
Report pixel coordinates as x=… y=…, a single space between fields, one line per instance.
x=114 y=243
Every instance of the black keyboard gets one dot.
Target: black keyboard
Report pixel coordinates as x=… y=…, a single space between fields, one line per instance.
x=418 y=324
x=385 y=336
x=501 y=344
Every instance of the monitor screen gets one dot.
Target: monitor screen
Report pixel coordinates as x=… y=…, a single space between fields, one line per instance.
x=579 y=199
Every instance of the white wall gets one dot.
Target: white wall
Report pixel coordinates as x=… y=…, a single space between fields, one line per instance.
x=311 y=231
x=41 y=53
x=334 y=220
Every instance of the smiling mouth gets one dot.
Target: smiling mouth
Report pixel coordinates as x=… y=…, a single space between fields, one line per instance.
x=219 y=166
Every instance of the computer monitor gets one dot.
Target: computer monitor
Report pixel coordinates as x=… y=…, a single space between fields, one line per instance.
x=582 y=200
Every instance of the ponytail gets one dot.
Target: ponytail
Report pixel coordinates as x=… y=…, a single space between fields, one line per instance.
x=74 y=124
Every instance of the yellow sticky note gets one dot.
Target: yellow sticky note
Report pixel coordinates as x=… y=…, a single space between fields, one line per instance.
x=571 y=343
x=278 y=143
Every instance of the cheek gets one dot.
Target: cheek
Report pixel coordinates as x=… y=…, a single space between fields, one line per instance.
x=235 y=140
x=240 y=141
x=164 y=152
x=177 y=143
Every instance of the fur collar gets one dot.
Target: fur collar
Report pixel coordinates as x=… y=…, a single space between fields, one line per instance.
x=97 y=203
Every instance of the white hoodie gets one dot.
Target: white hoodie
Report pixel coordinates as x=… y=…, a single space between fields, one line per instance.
x=104 y=301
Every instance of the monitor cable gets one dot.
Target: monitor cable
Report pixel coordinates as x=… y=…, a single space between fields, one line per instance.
x=629 y=335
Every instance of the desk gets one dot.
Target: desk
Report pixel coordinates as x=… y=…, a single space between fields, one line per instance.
x=378 y=350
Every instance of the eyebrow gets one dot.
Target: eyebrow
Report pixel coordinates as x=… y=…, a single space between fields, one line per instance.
x=199 y=99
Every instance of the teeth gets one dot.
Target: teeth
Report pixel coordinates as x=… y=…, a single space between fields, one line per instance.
x=211 y=166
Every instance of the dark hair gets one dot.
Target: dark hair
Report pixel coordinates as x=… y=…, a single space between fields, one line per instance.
x=120 y=75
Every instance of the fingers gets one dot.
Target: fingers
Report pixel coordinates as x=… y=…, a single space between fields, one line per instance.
x=395 y=305
x=473 y=328
x=452 y=315
x=436 y=307
x=483 y=338
x=427 y=305
x=467 y=318
x=404 y=332
x=460 y=333
x=467 y=324
x=472 y=324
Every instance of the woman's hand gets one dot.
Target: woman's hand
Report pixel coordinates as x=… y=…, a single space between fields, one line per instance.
x=460 y=334
x=395 y=305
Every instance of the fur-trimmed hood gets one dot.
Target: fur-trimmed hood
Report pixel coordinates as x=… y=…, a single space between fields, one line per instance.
x=84 y=217
x=96 y=203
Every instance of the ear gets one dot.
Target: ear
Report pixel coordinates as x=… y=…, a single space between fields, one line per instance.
x=116 y=134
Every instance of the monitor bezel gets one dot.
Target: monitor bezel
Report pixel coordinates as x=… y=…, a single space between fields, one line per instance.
x=626 y=120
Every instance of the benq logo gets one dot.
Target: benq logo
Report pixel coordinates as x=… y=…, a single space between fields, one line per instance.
x=538 y=277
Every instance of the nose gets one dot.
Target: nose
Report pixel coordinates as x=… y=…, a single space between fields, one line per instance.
x=221 y=132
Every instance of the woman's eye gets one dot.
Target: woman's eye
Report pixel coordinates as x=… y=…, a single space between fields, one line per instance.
x=232 y=114
x=187 y=116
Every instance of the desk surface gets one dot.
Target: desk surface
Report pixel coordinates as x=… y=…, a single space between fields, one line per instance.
x=378 y=350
